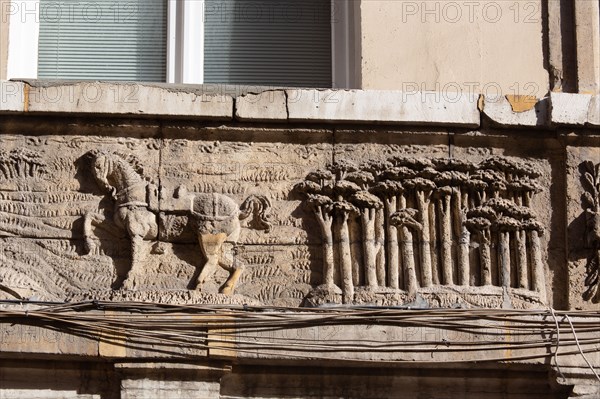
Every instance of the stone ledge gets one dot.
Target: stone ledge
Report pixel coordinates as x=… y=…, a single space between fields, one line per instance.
x=115 y=99
x=264 y=104
x=575 y=109
x=12 y=97
x=385 y=107
x=516 y=111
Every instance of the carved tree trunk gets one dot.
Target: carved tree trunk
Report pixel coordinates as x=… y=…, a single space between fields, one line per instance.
x=539 y=282
x=369 y=246
x=408 y=260
x=345 y=259
x=380 y=238
x=325 y=221
x=464 y=239
x=392 y=241
x=485 y=258
x=435 y=271
x=522 y=259
x=423 y=208
x=504 y=258
x=446 y=239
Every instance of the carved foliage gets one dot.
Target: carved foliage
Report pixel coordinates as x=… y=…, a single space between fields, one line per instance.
x=21 y=163
x=420 y=219
x=590 y=179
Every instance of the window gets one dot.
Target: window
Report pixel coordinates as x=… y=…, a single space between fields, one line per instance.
x=109 y=39
x=259 y=42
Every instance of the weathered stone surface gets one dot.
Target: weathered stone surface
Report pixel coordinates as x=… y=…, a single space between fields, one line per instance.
x=12 y=96
x=265 y=106
x=502 y=112
x=169 y=380
x=583 y=210
x=383 y=107
x=20 y=339
x=594 y=112
x=575 y=109
x=251 y=220
x=127 y=99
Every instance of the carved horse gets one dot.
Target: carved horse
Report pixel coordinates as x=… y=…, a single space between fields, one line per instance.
x=214 y=217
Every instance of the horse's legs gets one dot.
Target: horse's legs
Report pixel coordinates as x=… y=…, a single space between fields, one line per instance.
x=211 y=245
x=231 y=282
x=208 y=269
x=98 y=220
x=235 y=268
x=141 y=225
x=137 y=258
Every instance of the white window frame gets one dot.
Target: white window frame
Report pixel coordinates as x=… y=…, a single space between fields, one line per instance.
x=185 y=42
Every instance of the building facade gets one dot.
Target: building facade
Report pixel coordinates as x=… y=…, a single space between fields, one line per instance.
x=426 y=226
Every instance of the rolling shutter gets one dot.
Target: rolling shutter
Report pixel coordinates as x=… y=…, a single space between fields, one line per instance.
x=103 y=40
x=268 y=42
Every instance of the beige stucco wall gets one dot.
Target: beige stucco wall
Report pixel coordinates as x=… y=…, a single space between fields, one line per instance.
x=436 y=45
x=3 y=38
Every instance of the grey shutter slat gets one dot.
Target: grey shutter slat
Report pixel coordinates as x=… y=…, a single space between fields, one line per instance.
x=268 y=42
x=103 y=40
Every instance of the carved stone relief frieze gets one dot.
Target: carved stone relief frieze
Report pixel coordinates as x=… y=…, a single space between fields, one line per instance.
x=426 y=227
x=267 y=222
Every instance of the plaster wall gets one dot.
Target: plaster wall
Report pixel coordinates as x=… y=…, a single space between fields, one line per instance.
x=4 y=18
x=482 y=47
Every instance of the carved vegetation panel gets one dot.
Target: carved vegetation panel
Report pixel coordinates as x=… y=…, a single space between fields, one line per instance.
x=190 y=221
x=590 y=178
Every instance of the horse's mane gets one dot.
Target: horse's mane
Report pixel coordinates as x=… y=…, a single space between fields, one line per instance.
x=129 y=159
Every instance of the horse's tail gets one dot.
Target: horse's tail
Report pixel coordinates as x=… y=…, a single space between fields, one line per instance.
x=258 y=207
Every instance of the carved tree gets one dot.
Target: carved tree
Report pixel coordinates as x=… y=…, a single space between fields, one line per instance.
x=534 y=231
x=392 y=192
x=443 y=196
x=405 y=220
x=323 y=208
x=318 y=189
x=342 y=190
x=422 y=188
x=376 y=168
x=21 y=163
x=479 y=220
x=343 y=210
x=368 y=205
x=452 y=199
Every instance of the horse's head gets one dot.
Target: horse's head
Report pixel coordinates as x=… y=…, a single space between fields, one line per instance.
x=102 y=168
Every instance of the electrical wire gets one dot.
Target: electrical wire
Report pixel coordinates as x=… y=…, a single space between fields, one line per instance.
x=581 y=350
x=557 y=344
x=480 y=335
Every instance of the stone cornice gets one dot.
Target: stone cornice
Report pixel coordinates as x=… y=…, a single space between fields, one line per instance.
x=259 y=104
